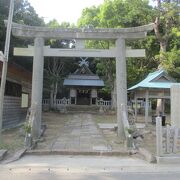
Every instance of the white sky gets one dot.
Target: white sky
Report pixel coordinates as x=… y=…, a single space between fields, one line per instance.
x=62 y=10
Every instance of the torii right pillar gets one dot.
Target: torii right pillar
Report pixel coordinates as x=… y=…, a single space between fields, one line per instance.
x=121 y=81
x=175 y=99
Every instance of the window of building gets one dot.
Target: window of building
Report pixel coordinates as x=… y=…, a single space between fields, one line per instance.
x=13 y=89
x=73 y=100
x=94 y=101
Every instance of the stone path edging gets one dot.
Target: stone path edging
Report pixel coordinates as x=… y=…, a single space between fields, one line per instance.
x=59 y=152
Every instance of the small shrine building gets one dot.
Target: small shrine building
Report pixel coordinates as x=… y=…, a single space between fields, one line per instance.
x=83 y=85
x=156 y=85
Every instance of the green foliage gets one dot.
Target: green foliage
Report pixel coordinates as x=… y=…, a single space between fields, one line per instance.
x=24 y=13
x=166 y=30
x=128 y=13
x=172 y=63
x=89 y=17
x=120 y=13
x=27 y=127
x=130 y=130
x=4 y=146
x=111 y=14
x=116 y=14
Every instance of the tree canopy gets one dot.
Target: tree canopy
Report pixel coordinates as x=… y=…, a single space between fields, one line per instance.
x=162 y=45
x=24 y=13
x=128 y=13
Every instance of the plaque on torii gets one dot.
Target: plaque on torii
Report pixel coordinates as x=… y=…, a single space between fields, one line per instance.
x=119 y=52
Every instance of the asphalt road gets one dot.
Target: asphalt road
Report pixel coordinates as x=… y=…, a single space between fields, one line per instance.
x=57 y=174
x=86 y=167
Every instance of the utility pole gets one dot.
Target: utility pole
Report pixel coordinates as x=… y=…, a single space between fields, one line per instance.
x=5 y=63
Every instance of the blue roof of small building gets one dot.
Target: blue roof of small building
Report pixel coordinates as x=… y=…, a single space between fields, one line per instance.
x=153 y=80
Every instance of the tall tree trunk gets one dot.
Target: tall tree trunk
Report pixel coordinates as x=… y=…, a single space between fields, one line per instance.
x=160 y=106
x=51 y=96
x=163 y=45
x=55 y=93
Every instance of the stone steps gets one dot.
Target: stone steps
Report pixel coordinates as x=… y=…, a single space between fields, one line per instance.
x=120 y=152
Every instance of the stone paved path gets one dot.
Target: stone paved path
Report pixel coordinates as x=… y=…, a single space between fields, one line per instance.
x=78 y=133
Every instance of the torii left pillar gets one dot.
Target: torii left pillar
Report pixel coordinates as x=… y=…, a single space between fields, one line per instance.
x=37 y=86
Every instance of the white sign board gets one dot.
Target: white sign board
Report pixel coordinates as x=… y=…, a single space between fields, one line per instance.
x=72 y=92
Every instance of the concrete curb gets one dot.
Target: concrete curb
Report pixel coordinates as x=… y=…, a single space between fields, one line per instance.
x=148 y=156
x=2 y=153
x=71 y=152
x=172 y=159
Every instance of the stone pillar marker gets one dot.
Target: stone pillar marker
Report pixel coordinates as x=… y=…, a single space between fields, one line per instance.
x=37 y=86
x=121 y=81
x=175 y=111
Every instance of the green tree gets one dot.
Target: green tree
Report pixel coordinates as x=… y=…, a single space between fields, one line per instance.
x=167 y=17
x=171 y=61
x=89 y=17
x=24 y=13
x=56 y=68
x=168 y=35
x=122 y=14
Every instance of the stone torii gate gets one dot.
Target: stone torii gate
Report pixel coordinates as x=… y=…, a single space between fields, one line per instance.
x=39 y=51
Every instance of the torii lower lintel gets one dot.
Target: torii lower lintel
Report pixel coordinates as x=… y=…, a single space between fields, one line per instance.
x=53 y=52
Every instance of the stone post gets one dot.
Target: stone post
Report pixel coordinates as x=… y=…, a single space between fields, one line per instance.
x=175 y=99
x=121 y=81
x=37 y=86
x=159 y=147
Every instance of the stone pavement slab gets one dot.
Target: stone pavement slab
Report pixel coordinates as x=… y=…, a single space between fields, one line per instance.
x=78 y=133
x=107 y=125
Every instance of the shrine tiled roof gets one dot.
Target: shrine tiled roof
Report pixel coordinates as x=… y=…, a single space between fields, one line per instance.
x=83 y=77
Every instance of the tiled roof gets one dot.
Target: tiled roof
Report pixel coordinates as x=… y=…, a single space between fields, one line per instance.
x=151 y=81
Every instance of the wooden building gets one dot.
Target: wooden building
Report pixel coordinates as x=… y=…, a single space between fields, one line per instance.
x=83 y=85
x=17 y=95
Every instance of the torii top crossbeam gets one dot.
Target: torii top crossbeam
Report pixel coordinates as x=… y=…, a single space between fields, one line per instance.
x=80 y=33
